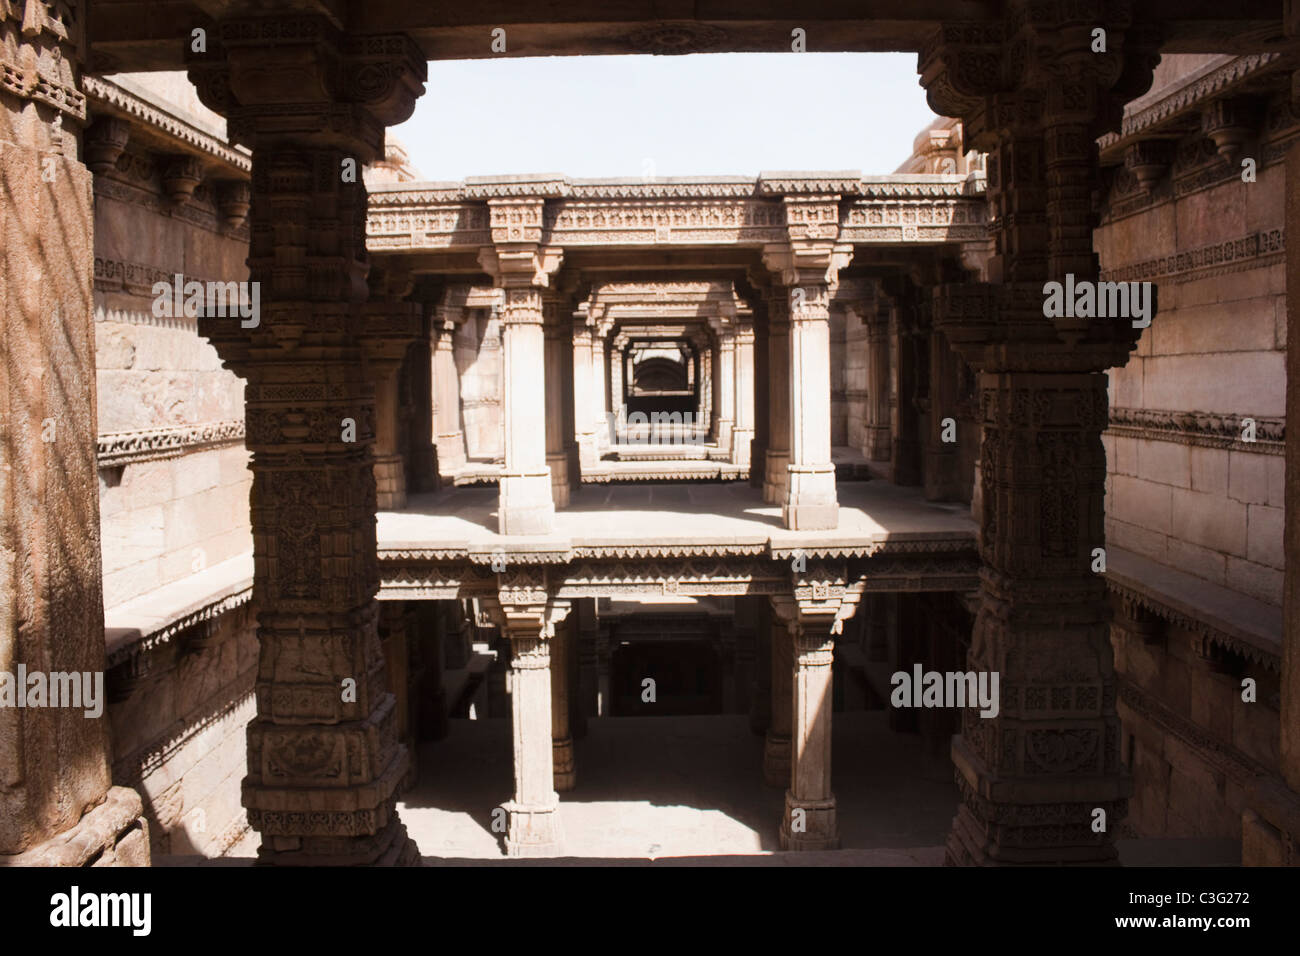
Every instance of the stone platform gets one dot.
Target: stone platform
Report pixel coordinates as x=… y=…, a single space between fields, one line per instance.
x=676 y=539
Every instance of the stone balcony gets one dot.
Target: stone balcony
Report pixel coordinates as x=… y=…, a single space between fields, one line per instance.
x=692 y=539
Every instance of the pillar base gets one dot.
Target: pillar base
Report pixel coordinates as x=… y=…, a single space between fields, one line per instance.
x=1036 y=822
x=558 y=463
x=742 y=440
x=525 y=505
x=776 y=759
x=390 y=482
x=811 y=503
x=451 y=454
x=563 y=767
x=533 y=831
x=878 y=445
x=389 y=847
x=776 y=482
x=815 y=828
x=115 y=833
x=588 y=451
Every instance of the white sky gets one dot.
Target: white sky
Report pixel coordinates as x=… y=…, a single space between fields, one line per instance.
x=643 y=116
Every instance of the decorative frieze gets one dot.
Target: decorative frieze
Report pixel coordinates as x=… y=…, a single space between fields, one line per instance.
x=1253 y=251
x=1190 y=96
x=112 y=97
x=925 y=209
x=1205 y=429
x=155 y=444
x=1209 y=636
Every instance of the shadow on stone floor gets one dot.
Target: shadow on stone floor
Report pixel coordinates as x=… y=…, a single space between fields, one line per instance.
x=678 y=786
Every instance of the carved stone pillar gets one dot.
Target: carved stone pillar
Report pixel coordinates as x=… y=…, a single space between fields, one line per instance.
x=810 y=501
x=585 y=397
x=760 y=707
x=812 y=618
x=778 y=397
x=879 y=444
x=558 y=347
x=523 y=269
x=1032 y=777
x=617 y=369
x=601 y=406
x=762 y=382
x=324 y=761
x=522 y=611
x=810 y=777
x=776 y=741
x=726 y=385
x=389 y=329
x=942 y=463
x=742 y=435
x=58 y=803
x=807 y=266
x=904 y=417
x=446 y=383
x=562 y=693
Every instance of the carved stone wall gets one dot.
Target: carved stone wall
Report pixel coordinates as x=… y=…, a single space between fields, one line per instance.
x=1184 y=488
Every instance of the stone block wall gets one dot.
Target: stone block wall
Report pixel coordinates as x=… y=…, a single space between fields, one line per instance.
x=179 y=733
x=1184 y=489
x=174 y=480
x=1193 y=745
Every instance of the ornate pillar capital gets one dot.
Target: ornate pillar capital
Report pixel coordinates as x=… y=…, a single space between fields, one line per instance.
x=298 y=78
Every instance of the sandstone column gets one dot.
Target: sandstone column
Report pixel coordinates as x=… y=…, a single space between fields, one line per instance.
x=761 y=382
x=726 y=384
x=389 y=329
x=522 y=269
x=562 y=693
x=776 y=741
x=533 y=826
x=1032 y=777
x=57 y=804
x=601 y=406
x=879 y=443
x=617 y=368
x=778 y=397
x=810 y=777
x=743 y=433
x=446 y=382
x=904 y=416
x=324 y=762
x=556 y=344
x=811 y=617
x=810 y=500
x=584 y=394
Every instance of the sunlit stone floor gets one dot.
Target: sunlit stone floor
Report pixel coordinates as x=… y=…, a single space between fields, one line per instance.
x=653 y=787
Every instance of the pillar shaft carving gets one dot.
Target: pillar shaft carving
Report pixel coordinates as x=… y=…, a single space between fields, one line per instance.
x=523 y=268
x=743 y=431
x=448 y=435
x=778 y=397
x=1032 y=93
x=812 y=617
x=528 y=622
x=324 y=760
